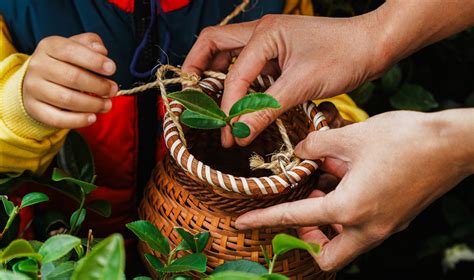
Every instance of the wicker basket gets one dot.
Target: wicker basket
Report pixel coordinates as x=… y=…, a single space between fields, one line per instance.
x=204 y=187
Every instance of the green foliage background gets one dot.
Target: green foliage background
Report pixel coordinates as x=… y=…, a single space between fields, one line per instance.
x=439 y=77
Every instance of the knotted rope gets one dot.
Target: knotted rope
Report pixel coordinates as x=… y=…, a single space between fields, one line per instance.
x=191 y=80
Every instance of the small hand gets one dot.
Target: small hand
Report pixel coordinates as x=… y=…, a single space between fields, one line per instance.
x=64 y=85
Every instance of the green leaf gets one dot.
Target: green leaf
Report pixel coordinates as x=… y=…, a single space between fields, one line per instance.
x=200 y=121
x=62 y=272
x=183 y=246
x=75 y=157
x=35 y=244
x=233 y=275
x=191 y=262
x=19 y=248
x=240 y=129
x=273 y=277
x=198 y=102
x=101 y=207
x=187 y=237
x=150 y=235
x=202 y=239
x=253 y=102
x=77 y=218
x=181 y=277
x=7 y=275
x=61 y=175
x=58 y=246
x=242 y=266
x=391 y=80
x=154 y=261
x=33 y=198
x=142 y=278
x=413 y=97
x=363 y=93
x=28 y=266
x=106 y=261
x=8 y=205
x=283 y=243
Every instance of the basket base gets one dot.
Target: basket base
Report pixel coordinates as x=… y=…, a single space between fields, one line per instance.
x=168 y=204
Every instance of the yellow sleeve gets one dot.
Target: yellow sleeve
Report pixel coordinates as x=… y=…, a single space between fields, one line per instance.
x=25 y=144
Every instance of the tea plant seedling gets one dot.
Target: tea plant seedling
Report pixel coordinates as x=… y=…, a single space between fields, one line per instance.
x=204 y=113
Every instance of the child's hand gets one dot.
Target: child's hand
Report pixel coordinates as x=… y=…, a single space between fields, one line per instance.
x=63 y=86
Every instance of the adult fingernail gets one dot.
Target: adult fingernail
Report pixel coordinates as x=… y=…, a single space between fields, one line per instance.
x=107 y=105
x=109 y=67
x=91 y=118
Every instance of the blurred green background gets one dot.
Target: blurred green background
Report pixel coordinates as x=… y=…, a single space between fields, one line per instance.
x=439 y=77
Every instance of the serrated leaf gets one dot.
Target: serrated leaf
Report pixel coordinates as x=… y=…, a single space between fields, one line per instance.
x=58 y=246
x=191 y=262
x=77 y=218
x=283 y=243
x=75 y=157
x=240 y=130
x=7 y=205
x=7 y=275
x=391 y=80
x=198 y=102
x=413 y=97
x=154 y=261
x=200 y=121
x=148 y=233
x=61 y=175
x=106 y=261
x=101 y=207
x=33 y=198
x=253 y=102
x=19 y=248
x=242 y=266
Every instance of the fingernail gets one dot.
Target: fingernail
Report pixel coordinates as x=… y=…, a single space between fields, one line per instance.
x=91 y=118
x=109 y=67
x=107 y=105
x=113 y=90
x=96 y=46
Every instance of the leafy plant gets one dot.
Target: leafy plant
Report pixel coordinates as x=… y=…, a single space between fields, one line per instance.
x=204 y=113
x=195 y=261
x=249 y=270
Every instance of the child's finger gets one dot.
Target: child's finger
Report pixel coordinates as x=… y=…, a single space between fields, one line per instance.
x=92 y=41
x=65 y=98
x=72 y=52
x=55 y=117
x=79 y=79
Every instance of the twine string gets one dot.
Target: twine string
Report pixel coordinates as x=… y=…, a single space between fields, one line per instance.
x=191 y=80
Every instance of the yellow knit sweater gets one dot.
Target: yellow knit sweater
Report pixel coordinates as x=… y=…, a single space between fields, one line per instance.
x=26 y=144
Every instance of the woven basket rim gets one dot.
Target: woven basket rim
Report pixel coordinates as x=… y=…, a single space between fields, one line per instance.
x=252 y=186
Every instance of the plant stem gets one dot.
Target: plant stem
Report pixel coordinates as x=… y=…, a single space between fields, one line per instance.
x=272 y=264
x=11 y=218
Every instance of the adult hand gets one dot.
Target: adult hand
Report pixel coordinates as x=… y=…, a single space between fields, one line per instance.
x=63 y=86
x=392 y=167
x=319 y=57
